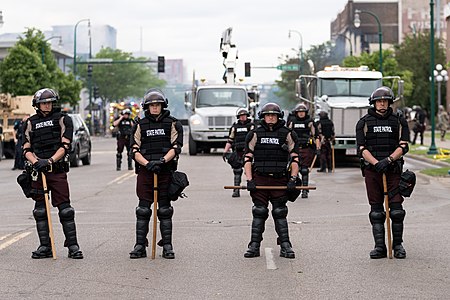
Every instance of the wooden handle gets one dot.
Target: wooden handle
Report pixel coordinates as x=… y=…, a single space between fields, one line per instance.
x=49 y=215
x=155 y=213
x=268 y=187
x=388 y=216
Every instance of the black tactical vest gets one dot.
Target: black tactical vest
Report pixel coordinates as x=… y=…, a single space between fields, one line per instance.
x=302 y=129
x=240 y=131
x=45 y=134
x=327 y=127
x=155 y=139
x=125 y=127
x=382 y=135
x=270 y=157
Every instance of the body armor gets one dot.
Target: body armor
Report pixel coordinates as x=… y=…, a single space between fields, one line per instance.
x=270 y=157
x=327 y=127
x=45 y=134
x=302 y=129
x=241 y=130
x=125 y=127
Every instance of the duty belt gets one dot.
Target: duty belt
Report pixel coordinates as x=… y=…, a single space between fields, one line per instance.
x=57 y=167
x=274 y=175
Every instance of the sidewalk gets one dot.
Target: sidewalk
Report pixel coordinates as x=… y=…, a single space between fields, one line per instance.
x=426 y=144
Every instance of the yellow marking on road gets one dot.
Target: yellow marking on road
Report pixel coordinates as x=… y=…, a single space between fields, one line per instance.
x=16 y=238
x=120 y=179
x=5 y=236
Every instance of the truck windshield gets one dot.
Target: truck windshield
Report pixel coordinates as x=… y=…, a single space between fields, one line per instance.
x=349 y=87
x=222 y=97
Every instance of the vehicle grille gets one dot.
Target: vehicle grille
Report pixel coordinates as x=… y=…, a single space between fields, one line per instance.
x=345 y=120
x=220 y=123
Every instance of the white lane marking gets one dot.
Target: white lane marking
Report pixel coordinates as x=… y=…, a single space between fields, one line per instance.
x=5 y=236
x=269 y=259
x=121 y=177
x=14 y=239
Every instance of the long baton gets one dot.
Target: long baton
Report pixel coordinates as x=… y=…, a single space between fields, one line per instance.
x=332 y=157
x=388 y=215
x=155 y=212
x=49 y=215
x=313 y=162
x=269 y=187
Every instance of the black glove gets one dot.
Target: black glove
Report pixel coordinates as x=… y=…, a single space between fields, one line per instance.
x=251 y=186
x=382 y=165
x=225 y=156
x=155 y=165
x=318 y=152
x=291 y=184
x=41 y=164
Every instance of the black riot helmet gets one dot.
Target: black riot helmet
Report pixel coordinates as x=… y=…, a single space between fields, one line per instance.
x=45 y=95
x=242 y=111
x=271 y=108
x=382 y=93
x=154 y=96
x=301 y=107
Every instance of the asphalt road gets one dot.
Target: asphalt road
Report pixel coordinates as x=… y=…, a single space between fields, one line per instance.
x=330 y=233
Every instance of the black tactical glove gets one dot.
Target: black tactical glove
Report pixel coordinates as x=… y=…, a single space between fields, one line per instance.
x=155 y=165
x=292 y=184
x=225 y=156
x=318 y=152
x=41 y=164
x=251 y=186
x=382 y=165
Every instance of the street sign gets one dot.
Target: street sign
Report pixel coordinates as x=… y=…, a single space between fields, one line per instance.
x=287 y=67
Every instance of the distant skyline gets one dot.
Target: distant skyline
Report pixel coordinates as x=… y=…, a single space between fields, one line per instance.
x=192 y=30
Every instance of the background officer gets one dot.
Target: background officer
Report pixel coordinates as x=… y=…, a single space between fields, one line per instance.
x=47 y=138
x=382 y=139
x=125 y=125
x=236 y=141
x=308 y=141
x=155 y=145
x=19 y=162
x=325 y=128
x=271 y=158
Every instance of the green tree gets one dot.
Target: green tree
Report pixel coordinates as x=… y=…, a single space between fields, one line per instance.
x=30 y=66
x=414 y=55
x=121 y=80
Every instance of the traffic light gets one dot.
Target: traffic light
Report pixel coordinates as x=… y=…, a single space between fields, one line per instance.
x=247 y=69
x=96 y=94
x=89 y=70
x=161 y=63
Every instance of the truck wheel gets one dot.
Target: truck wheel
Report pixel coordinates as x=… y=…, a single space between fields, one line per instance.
x=192 y=146
x=75 y=162
x=87 y=159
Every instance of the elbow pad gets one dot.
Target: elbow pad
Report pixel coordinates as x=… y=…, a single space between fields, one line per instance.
x=405 y=148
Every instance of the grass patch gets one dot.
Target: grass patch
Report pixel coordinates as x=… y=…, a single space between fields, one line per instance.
x=439 y=172
x=422 y=150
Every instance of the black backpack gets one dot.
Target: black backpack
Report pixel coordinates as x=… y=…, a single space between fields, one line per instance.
x=179 y=182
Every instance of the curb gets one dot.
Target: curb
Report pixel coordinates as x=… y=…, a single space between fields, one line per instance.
x=429 y=160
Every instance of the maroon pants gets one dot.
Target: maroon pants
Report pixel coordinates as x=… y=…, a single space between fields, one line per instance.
x=306 y=156
x=145 y=186
x=264 y=196
x=122 y=142
x=374 y=186
x=57 y=185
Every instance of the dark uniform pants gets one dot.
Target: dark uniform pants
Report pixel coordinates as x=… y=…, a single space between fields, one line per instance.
x=145 y=187
x=122 y=142
x=325 y=154
x=374 y=186
x=306 y=157
x=58 y=186
x=262 y=197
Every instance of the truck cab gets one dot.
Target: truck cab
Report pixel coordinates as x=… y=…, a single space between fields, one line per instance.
x=212 y=112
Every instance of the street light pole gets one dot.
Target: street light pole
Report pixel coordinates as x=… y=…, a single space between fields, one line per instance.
x=43 y=45
x=357 y=23
x=349 y=41
x=75 y=45
x=432 y=149
x=300 y=48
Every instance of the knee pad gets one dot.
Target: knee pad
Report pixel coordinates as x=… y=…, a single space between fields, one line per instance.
x=67 y=213
x=398 y=215
x=304 y=171
x=40 y=213
x=377 y=217
x=280 y=212
x=260 y=212
x=119 y=155
x=143 y=213
x=165 y=212
x=237 y=171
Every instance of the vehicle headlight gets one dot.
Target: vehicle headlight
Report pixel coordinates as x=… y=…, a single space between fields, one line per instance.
x=195 y=121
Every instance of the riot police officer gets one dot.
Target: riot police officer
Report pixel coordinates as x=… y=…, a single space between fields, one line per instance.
x=308 y=141
x=155 y=145
x=382 y=139
x=47 y=138
x=236 y=141
x=271 y=158
x=125 y=125
x=325 y=128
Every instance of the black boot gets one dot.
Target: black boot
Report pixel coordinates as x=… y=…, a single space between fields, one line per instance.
x=44 y=250
x=67 y=219
x=305 y=181
x=118 y=161
x=260 y=215
x=143 y=215
x=237 y=182
x=323 y=166
x=165 y=225
x=377 y=219
x=130 y=163
x=279 y=214
x=397 y=217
